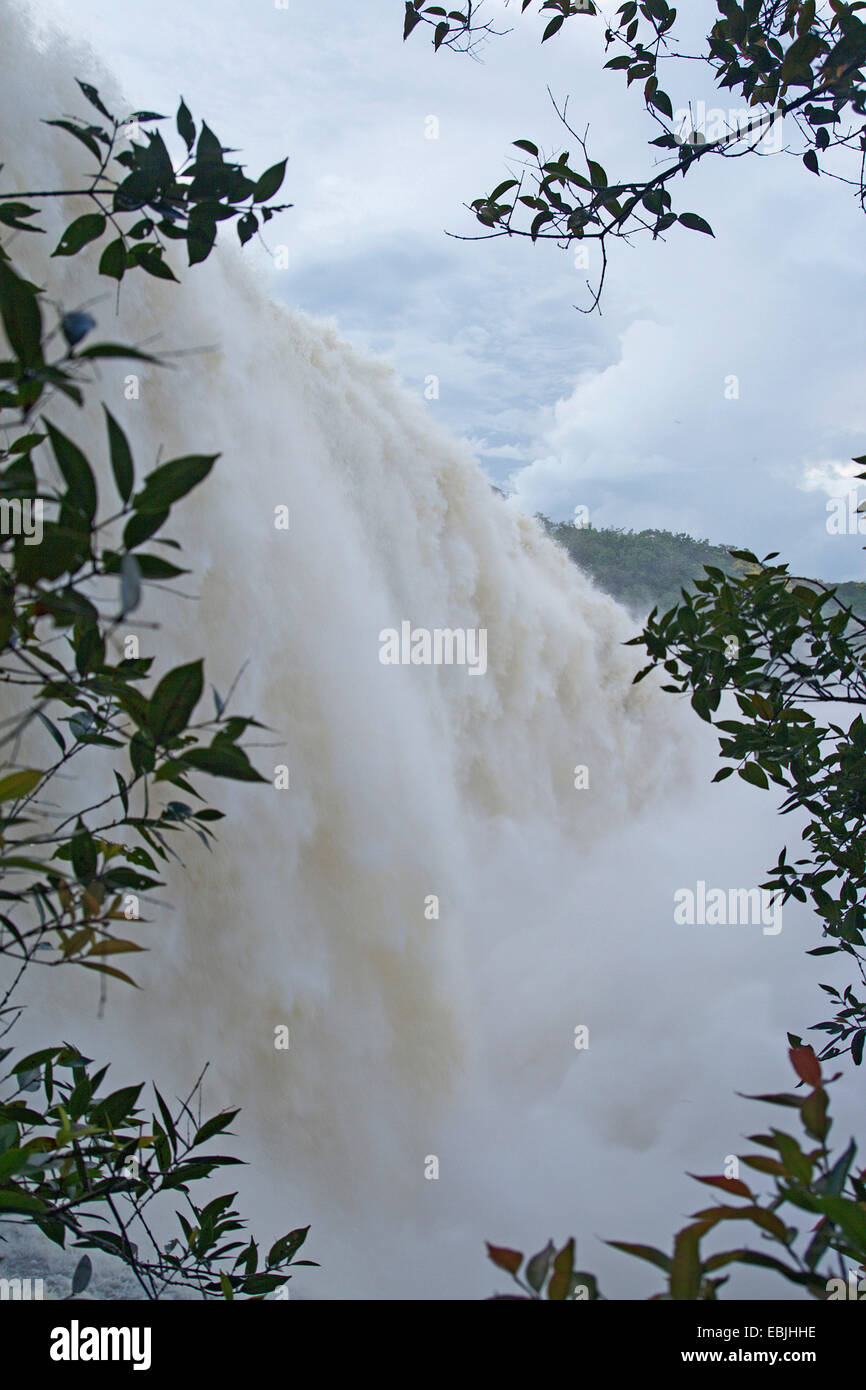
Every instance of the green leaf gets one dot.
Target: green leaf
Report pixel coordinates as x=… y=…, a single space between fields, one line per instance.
x=526 y=145
x=221 y=760
x=81 y=133
x=662 y=102
x=79 y=233
x=26 y=443
x=685 y=1273
x=83 y=849
x=172 y=481
x=563 y=1266
x=247 y=227
x=77 y=473
x=537 y=1267
x=52 y=729
x=696 y=224
x=36 y=1059
x=270 y=182
x=149 y=566
x=141 y=527
x=793 y=1102
x=552 y=28
x=643 y=1252
x=114 y=350
x=412 y=18
x=112 y=262
x=754 y=1257
x=755 y=774
x=81 y=1277
x=814 y=1114
x=117 y=1107
x=12 y=215
x=185 y=125
x=22 y=318
x=174 y=700
x=130 y=584
x=287 y=1247
x=121 y=457
x=19 y=784
x=208 y=150
x=93 y=97
x=217 y=1125
x=19 y=1201
x=848 y=1215
x=153 y=264
x=201 y=233
x=89 y=649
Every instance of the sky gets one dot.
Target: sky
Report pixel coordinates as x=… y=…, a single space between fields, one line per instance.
x=630 y=414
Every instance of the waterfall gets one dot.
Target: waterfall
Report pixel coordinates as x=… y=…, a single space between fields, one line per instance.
x=416 y=1031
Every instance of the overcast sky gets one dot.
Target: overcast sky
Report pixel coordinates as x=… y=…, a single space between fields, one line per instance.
x=625 y=413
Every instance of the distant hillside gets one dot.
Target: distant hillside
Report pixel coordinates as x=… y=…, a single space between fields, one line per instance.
x=643 y=569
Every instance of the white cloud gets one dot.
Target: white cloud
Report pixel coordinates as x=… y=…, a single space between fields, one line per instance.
x=627 y=411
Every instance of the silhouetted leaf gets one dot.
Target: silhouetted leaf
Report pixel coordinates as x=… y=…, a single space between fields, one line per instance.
x=172 y=481
x=94 y=98
x=22 y=318
x=84 y=229
x=174 y=700
x=112 y=262
x=77 y=473
x=270 y=182
x=696 y=224
x=121 y=457
x=81 y=1277
x=185 y=125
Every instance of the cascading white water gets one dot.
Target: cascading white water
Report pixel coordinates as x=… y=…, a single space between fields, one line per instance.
x=411 y=1037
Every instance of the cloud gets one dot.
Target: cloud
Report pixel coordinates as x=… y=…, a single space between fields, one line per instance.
x=626 y=413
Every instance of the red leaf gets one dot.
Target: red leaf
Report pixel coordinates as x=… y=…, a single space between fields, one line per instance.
x=732 y=1185
x=504 y=1258
x=806 y=1065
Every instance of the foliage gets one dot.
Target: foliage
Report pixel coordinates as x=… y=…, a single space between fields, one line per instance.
x=82 y=1164
x=548 y=1274
x=73 y=1157
x=797 y=61
x=806 y=1177
x=782 y=645
x=638 y=568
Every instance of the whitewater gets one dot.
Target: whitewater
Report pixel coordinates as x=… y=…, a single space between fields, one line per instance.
x=412 y=1036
